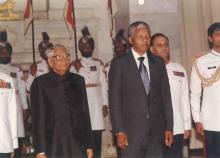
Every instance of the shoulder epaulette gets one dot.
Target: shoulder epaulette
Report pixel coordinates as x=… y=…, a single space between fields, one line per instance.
x=206 y=82
x=201 y=54
x=15 y=65
x=101 y=62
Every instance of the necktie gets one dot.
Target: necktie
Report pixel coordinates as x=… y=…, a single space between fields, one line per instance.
x=144 y=74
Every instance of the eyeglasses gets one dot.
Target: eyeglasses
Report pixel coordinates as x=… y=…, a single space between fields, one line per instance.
x=61 y=57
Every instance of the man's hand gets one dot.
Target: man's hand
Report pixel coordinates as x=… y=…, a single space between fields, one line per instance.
x=25 y=114
x=199 y=128
x=122 y=140
x=187 y=134
x=33 y=69
x=168 y=138
x=41 y=155
x=77 y=64
x=105 y=110
x=90 y=153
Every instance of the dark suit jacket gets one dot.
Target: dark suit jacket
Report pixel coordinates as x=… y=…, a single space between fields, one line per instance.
x=60 y=115
x=132 y=111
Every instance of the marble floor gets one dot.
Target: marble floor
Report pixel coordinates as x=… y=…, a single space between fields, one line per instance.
x=192 y=154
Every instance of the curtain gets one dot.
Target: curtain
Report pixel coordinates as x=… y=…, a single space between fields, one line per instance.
x=196 y=15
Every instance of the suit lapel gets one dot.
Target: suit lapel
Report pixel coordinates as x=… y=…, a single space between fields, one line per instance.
x=153 y=71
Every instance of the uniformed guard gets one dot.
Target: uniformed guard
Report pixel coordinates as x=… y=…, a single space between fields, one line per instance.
x=41 y=67
x=8 y=116
x=179 y=93
x=120 y=47
x=205 y=83
x=16 y=74
x=92 y=70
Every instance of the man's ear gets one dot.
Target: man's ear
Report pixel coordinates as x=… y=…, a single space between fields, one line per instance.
x=210 y=39
x=152 y=49
x=130 y=40
x=50 y=62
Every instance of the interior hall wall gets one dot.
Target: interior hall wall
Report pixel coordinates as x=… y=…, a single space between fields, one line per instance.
x=163 y=16
x=48 y=16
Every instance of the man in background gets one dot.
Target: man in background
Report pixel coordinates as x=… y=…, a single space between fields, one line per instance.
x=120 y=47
x=179 y=93
x=92 y=71
x=8 y=115
x=205 y=84
x=41 y=67
x=21 y=100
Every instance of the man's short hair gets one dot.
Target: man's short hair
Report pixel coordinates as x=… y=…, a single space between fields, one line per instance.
x=49 y=52
x=119 y=38
x=138 y=24
x=213 y=27
x=157 y=35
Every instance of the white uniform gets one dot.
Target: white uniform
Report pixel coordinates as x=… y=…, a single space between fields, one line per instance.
x=96 y=89
x=210 y=106
x=8 y=115
x=21 y=98
x=42 y=68
x=180 y=97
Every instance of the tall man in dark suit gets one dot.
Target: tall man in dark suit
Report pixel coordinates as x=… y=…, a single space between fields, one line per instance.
x=139 y=98
x=60 y=114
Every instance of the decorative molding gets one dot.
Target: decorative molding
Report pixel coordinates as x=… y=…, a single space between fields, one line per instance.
x=6 y=13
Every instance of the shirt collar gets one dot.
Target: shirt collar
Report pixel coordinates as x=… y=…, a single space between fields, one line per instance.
x=215 y=53
x=136 y=55
x=58 y=77
x=84 y=59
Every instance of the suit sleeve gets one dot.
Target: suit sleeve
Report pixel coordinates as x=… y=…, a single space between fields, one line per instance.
x=38 y=116
x=13 y=115
x=166 y=98
x=115 y=102
x=88 y=138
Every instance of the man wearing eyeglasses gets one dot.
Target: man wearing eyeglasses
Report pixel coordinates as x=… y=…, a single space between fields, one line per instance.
x=60 y=114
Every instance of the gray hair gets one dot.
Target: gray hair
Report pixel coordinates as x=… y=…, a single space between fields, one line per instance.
x=135 y=25
x=49 y=52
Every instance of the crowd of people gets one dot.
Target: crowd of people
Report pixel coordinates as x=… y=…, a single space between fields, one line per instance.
x=145 y=94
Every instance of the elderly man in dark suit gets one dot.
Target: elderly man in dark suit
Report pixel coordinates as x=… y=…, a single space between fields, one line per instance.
x=61 y=121
x=140 y=100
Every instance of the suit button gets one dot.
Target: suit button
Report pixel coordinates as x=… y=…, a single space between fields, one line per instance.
x=148 y=116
